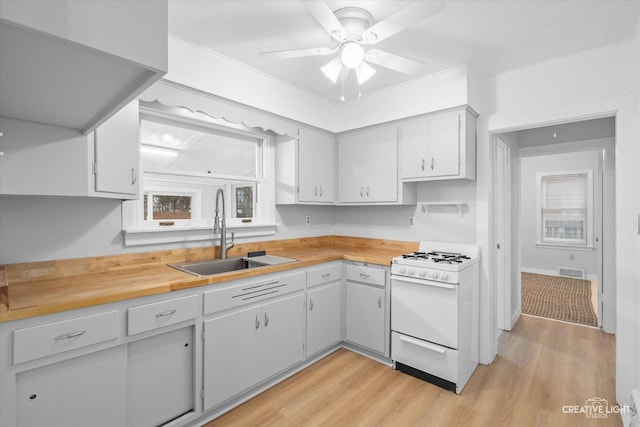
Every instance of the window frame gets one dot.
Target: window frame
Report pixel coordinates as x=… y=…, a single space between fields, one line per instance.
x=541 y=240
x=137 y=230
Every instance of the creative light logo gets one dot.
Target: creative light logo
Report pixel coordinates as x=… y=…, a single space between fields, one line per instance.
x=596 y=407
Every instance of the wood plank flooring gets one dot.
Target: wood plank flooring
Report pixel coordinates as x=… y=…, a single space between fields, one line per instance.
x=542 y=365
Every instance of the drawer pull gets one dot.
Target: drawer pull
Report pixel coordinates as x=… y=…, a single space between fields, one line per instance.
x=326 y=275
x=166 y=313
x=71 y=335
x=364 y=275
x=422 y=344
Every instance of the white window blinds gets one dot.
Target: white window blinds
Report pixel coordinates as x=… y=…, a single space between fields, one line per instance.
x=564 y=208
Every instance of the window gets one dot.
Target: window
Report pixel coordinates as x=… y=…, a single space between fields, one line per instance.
x=185 y=158
x=565 y=208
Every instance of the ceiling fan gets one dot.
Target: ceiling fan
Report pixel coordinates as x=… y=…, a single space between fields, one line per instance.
x=352 y=29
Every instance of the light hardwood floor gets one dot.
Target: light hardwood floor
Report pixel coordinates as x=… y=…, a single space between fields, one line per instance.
x=541 y=366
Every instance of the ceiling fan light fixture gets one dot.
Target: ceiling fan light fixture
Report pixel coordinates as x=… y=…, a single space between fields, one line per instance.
x=332 y=69
x=352 y=54
x=364 y=72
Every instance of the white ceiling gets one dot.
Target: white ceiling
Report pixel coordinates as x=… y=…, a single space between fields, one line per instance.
x=490 y=36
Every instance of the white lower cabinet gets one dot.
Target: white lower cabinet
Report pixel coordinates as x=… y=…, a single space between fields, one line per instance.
x=249 y=345
x=324 y=317
x=89 y=390
x=160 y=378
x=367 y=318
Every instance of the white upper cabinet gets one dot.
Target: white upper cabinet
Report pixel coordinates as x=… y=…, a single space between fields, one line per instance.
x=74 y=64
x=368 y=168
x=316 y=167
x=49 y=160
x=305 y=168
x=438 y=146
x=117 y=152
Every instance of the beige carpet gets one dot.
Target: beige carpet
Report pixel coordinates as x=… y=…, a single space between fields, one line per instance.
x=560 y=298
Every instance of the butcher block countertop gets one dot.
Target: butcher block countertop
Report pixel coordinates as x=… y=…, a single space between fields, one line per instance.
x=45 y=287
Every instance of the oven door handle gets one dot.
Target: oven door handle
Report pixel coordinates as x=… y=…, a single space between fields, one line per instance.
x=422 y=344
x=423 y=282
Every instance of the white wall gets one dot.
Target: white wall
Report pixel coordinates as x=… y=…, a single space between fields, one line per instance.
x=547 y=260
x=588 y=84
x=392 y=222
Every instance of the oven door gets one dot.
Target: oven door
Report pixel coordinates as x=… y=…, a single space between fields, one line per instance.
x=425 y=309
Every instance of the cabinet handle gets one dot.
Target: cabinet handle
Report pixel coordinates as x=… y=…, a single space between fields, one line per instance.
x=422 y=164
x=315 y=191
x=310 y=304
x=432 y=163
x=71 y=335
x=326 y=275
x=321 y=191
x=361 y=191
x=364 y=275
x=367 y=191
x=257 y=321
x=134 y=176
x=380 y=302
x=266 y=320
x=166 y=313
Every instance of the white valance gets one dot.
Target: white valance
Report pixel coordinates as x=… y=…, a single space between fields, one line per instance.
x=171 y=94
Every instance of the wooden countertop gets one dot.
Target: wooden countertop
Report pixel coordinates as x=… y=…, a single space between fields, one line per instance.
x=36 y=289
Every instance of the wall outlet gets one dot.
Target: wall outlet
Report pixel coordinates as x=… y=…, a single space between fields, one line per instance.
x=412 y=221
x=307 y=219
x=571 y=257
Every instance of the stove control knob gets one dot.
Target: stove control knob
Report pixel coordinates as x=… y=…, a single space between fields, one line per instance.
x=411 y=272
x=402 y=270
x=435 y=275
x=423 y=273
x=445 y=276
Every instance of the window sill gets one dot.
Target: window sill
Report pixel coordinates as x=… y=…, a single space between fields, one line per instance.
x=171 y=234
x=585 y=248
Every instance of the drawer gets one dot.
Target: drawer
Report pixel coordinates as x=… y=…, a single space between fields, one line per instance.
x=156 y=315
x=364 y=274
x=55 y=337
x=248 y=292
x=324 y=274
x=428 y=357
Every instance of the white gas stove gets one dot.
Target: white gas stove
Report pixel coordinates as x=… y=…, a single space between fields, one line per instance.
x=434 y=313
x=436 y=261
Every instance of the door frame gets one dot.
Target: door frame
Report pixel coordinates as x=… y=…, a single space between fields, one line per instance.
x=502 y=227
x=607 y=289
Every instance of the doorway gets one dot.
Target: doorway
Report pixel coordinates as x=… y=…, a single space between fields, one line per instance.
x=519 y=226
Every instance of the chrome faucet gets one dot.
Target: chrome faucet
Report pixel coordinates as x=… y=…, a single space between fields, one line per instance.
x=220 y=226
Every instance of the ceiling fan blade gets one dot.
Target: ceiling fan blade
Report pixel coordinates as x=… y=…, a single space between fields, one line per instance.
x=297 y=53
x=323 y=14
x=395 y=62
x=414 y=12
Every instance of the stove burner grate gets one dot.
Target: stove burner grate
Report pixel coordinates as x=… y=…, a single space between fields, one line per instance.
x=441 y=257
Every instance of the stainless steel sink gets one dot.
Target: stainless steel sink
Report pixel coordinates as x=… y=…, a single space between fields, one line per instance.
x=217 y=266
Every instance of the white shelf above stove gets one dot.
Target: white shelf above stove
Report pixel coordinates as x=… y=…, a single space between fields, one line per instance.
x=425 y=206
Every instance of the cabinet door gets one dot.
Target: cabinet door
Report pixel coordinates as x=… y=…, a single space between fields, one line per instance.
x=282 y=334
x=231 y=354
x=316 y=167
x=117 y=144
x=413 y=145
x=160 y=378
x=324 y=317
x=381 y=165
x=443 y=155
x=365 y=316
x=351 y=164
x=89 y=390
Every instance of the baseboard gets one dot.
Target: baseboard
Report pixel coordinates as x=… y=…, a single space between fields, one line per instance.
x=553 y=273
x=516 y=316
